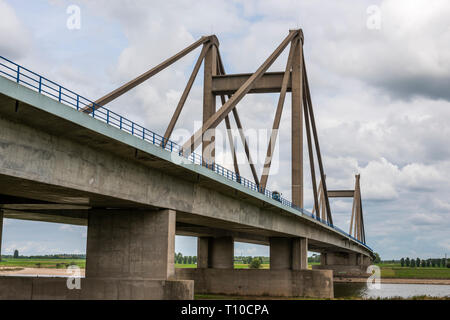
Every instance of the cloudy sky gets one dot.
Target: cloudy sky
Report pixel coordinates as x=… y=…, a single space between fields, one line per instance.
x=379 y=74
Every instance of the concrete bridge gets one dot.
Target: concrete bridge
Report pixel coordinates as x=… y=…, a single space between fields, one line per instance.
x=135 y=190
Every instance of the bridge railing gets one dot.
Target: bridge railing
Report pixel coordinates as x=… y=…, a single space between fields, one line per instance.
x=34 y=81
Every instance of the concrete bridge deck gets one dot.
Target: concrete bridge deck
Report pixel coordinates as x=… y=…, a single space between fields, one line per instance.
x=68 y=162
x=60 y=165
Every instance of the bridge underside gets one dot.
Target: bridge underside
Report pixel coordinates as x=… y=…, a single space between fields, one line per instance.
x=69 y=208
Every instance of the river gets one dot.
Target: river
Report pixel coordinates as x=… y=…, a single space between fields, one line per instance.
x=353 y=289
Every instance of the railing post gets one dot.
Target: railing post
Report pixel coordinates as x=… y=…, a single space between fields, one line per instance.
x=120 y=122
x=78 y=102
x=59 y=95
x=40 y=84
x=18 y=73
x=132 y=128
x=107 y=116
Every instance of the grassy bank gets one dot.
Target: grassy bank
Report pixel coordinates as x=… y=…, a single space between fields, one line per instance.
x=387 y=270
x=42 y=263
x=229 y=297
x=415 y=273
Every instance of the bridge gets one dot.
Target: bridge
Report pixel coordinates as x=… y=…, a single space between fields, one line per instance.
x=67 y=159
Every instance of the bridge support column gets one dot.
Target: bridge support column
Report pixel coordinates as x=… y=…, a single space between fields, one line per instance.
x=202 y=252
x=136 y=244
x=300 y=254
x=221 y=251
x=209 y=103
x=130 y=255
x=288 y=254
x=215 y=253
x=344 y=263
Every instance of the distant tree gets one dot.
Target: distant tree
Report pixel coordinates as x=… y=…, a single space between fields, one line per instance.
x=407 y=262
x=255 y=263
x=443 y=262
x=433 y=263
x=417 y=262
x=185 y=260
x=438 y=263
x=190 y=260
x=194 y=260
x=377 y=258
x=402 y=262
x=423 y=264
x=413 y=263
x=429 y=263
x=16 y=254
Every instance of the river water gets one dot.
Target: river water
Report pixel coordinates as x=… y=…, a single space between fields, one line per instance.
x=387 y=290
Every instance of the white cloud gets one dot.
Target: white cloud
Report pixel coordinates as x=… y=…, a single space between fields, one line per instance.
x=15 y=39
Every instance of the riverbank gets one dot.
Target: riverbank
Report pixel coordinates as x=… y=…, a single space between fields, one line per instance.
x=395 y=280
x=36 y=272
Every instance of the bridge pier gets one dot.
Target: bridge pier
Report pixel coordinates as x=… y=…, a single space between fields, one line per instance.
x=344 y=263
x=130 y=255
x=288 y=275
x=215 y=252
x=288 y=254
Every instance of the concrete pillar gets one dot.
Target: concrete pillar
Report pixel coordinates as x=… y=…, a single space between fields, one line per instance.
x=202 y=252
x=280 y=253
x=323 y=258
x=300 y=254
x=1 y=230
x=221 y=253
x=131 y=244
x=297 y=127
x=209 y=103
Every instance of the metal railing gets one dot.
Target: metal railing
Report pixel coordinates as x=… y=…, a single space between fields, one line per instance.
x=32 y=80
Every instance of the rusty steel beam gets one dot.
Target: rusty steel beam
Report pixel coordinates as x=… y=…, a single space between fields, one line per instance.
x=185 y=94
x=240 y=130
x=311 y=154
x=316 y=141
x=297 y=127
x=145 y=76
x=277 y=119
x=270 y=82
x=341 y=193
x=209 y=104
x=190 y=145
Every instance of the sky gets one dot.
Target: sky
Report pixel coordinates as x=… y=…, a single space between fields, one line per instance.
x=379 y=74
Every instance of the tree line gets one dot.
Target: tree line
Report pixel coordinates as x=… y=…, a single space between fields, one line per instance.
x=415 y=263
x=47 y=256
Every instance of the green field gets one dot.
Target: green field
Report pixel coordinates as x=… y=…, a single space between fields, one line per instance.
x=415 y=273
x=41 y=263
x=387 y=270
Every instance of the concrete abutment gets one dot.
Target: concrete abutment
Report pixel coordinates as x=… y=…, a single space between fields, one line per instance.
x=344 y=263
